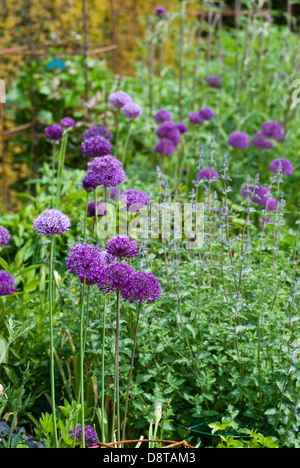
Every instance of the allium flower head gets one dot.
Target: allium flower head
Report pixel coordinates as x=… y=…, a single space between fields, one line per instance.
x=213 y=81
x=208 y=173
x=87 y=185
x=134 y=199
x=273 y=130
x=67 y=122
x=238 y=140
x=206 y=113
x=115 y=277
x=169 y=131
x=164 y=147
x=182 y=127
x=260 y=141
x=51 y=223
x=162 y=115
x=270 y=204
x=142 y=287
x=119 y=98
x=259 y=194
x=89 y=435
x=6 y=284
x=195 y=118
x=122 y=246
x=4 y=236
x=54 y=132
x=106 y=171
x=284 y=164
x=96 y=147
x=97 y=131
x=91 y=209
x=85 y=261
x=160 y=11
x=131 y=110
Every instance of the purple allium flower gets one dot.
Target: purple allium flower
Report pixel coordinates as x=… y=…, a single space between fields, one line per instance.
x=106 y=171
x=54 y=132
x=238 y=140
x=160 y=11
x=185 y=170
x=96 y=147
x=4 y=236
x=85 y=261
x=270 y=203
x=260 y=141
x=6 y=283
x=115 y=277
x=260 y=191
x=213 y=81
x=87 y=185
x=134 y=199
x=67 y=122
x=51 y=223
x=91 y=209
x=119 y=98
x=195 y=118
x=162 y=115
x=273 y=130
x=131 y=110
x=122 y=246
x=142 y=287
x=208 y=173
x=284 y=164
x=169 y=131
x=89 y=435
x=97 y=131
x=114 y=191
x=164 y=147
x=206 y=113
x=182 y=127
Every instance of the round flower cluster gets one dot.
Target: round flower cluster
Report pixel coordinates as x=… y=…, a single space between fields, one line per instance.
x=114 y=277
x=238 y=140
x=97 y=131
x=169 y=137
x=85 y=261
x=160 y=11
x=131 y=111
x=96 y=147
x=119 y=99
x=134 y=200
x=122 y=247
x=142 y=287
x=67 y=122
x=259 y=194
x=208 y=173
x=206 y=113
x=164 y=147
x=51 y=223
x=195 y=118
x=213 y=81
x=270 y=131
x=6 y=283
x=281 y=164
x=4 y=236
x=89 y=435
x=162 y=115
x=54 y=132
x=91 y=209
x=182 y=127
x=106 y=171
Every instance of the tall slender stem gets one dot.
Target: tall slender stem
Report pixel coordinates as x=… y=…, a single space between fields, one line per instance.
x=81 y=386
x=116 y=402
x=127 y=141
x=61 y=162
x=131 y=369
x=103 y=373
x=51 y=343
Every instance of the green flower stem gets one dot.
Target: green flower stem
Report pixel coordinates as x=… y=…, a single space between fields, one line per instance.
x=116 y=401
x=51 y=343
x=96 y=215
x=85 y=216
x=127 y=141
x=118 y=132
x=61 y=162
x=131 y=369
x=103 y=373
x=81 y=386
x=53 y=173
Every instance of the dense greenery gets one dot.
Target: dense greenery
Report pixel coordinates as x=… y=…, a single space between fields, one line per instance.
x=219 y=350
